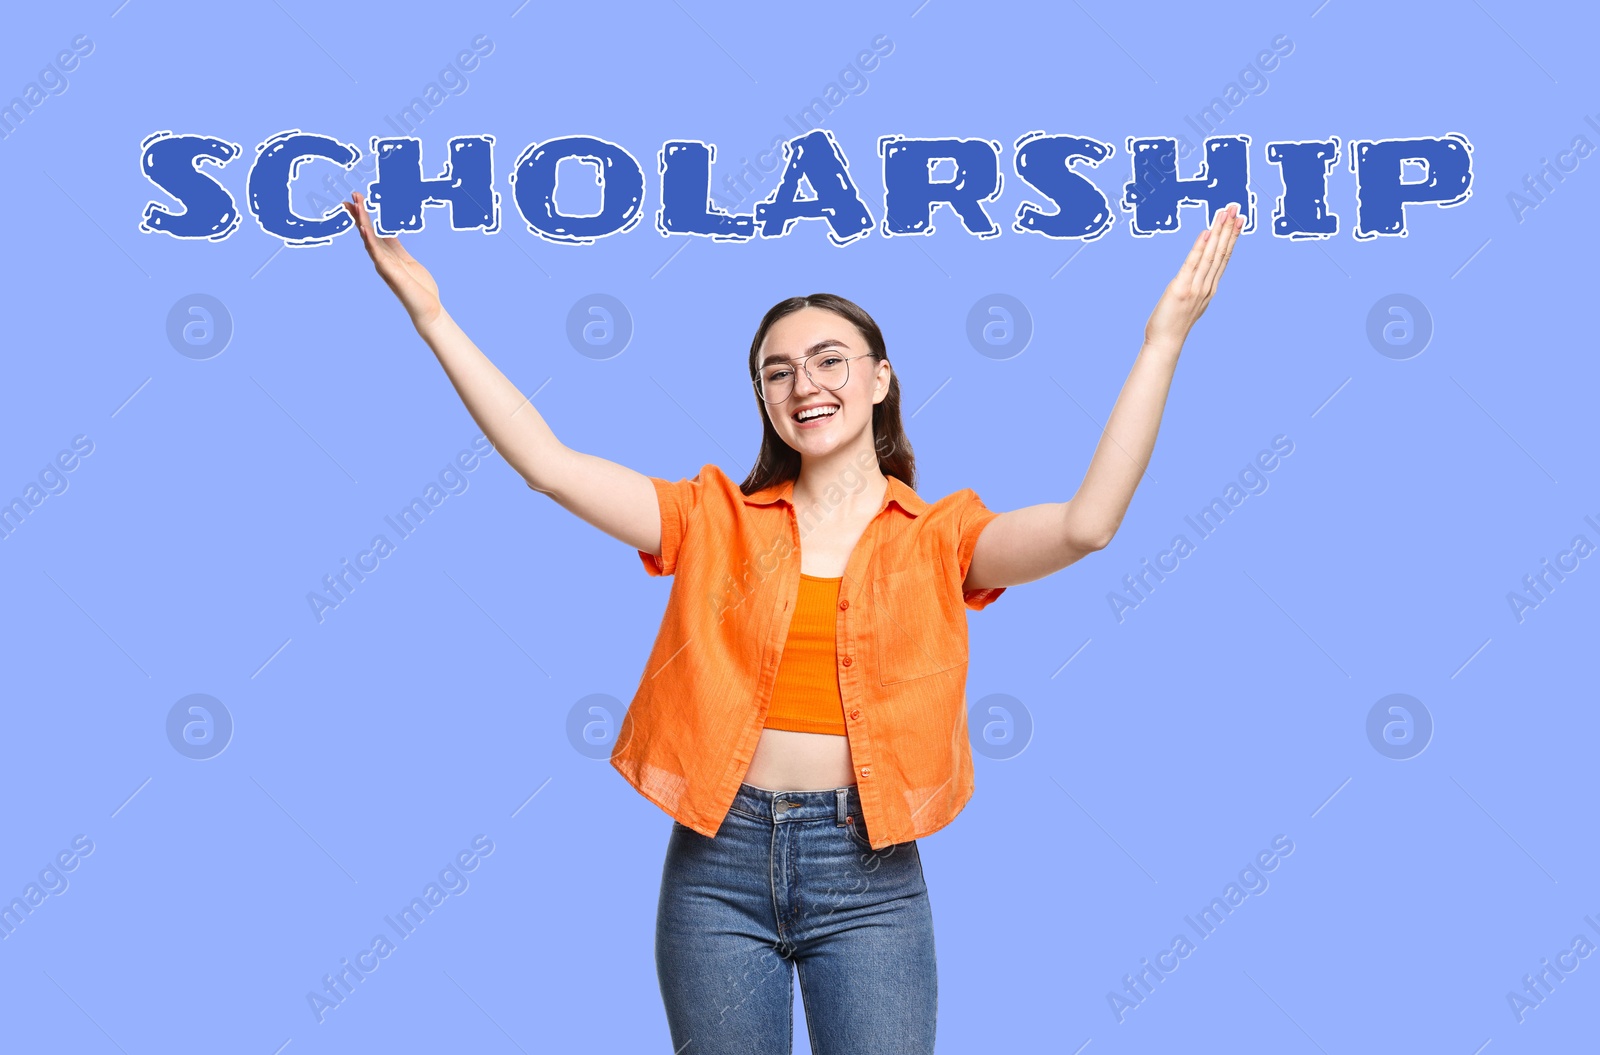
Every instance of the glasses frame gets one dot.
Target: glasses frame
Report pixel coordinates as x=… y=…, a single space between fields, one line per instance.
x=805 y=364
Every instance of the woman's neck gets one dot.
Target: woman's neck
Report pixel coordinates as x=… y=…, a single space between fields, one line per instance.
x=843 y=484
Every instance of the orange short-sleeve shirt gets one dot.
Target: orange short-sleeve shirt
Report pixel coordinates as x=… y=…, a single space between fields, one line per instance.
x=691 y=730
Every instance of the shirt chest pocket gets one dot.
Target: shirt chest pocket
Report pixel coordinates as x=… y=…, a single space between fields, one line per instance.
x=912 y=627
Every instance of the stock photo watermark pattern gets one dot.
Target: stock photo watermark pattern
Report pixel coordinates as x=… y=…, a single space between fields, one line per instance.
x=1343 y=628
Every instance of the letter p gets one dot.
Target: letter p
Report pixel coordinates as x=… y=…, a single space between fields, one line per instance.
x=1382 y=193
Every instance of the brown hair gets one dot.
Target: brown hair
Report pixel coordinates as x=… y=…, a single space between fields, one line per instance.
x=778 y=461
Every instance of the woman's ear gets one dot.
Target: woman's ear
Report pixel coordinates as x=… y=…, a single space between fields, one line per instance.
x=881 y=378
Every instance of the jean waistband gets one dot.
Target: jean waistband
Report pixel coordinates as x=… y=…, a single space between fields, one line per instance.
x=833 y=804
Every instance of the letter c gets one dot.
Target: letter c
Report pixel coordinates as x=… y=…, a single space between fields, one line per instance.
x=1163 y=564
x=1161 y=959
x=363 y=564
x=361 y=959
x=1564 y=565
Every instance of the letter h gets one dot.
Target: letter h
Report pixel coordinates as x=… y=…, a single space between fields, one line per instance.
x=1156 y=191
x=466 y=185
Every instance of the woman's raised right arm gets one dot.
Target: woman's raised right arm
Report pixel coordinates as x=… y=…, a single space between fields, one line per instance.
x=617 y=500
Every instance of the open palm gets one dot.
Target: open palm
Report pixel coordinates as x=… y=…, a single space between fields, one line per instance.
x=409 y=280
x=1188 y=294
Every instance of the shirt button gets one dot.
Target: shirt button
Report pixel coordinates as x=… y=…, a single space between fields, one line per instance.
x=843 y=605
x=845 y=661
x=855 y=712
x=866 y=771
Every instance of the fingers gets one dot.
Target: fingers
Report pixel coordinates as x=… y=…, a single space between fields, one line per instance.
x=379 y=248
x=1231 y=237
x=357 y=213
x=1209 y=253
x=390 y=245
x=1190 y=261
x=357 y=207
x=1225 y=238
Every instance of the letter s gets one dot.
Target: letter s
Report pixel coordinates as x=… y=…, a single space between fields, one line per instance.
x=1285 y=447
x=85 y=447
x=80 y=40
x=172 y=162
x=1283 y=845
x=83 y=845
x=483 y=845
x=1278 y=42
x=478 y=42
x=880 y=38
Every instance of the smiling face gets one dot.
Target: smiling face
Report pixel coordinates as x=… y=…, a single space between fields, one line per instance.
x=814 y=420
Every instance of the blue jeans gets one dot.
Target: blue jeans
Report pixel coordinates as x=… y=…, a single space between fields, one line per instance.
x=790 y=884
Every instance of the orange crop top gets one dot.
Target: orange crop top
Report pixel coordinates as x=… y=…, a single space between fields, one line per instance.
x=806 y=697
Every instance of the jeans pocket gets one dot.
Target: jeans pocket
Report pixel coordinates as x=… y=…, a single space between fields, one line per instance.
x=856 y=828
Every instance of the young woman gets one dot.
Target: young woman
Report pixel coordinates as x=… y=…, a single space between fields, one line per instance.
x=802 y=714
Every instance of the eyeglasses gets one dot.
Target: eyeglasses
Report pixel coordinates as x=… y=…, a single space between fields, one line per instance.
x=830 y=371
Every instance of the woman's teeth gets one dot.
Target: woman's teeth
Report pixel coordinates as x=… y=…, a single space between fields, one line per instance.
x=819 y=412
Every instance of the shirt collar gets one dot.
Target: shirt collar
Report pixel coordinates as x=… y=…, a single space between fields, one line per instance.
x=898 y=493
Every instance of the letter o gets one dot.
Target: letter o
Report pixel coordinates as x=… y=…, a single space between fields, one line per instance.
x=533 y=186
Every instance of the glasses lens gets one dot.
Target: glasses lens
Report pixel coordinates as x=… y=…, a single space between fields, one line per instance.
x=777 y=381
x=830 y=370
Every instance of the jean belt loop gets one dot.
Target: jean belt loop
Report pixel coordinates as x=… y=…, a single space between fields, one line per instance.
x=842 y=799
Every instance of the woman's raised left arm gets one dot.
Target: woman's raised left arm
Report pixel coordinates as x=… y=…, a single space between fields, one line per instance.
x=1029 y=543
